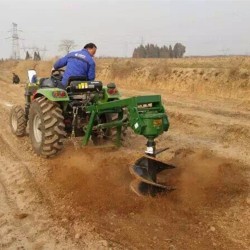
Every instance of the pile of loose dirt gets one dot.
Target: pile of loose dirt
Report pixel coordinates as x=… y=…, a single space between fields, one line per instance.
x=94 y=183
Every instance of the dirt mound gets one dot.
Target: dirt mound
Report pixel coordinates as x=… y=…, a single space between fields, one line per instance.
x=216 y=77
x=199 y=176
x=206 y=180
x=97 y=177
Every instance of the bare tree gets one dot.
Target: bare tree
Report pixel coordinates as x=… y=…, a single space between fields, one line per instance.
x=67 y=45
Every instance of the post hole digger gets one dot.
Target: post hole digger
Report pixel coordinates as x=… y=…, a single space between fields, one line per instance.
x=91 y=110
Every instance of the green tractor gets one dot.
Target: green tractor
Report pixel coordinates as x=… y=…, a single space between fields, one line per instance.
x=90 y=110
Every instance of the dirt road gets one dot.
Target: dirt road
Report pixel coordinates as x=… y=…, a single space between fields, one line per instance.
x=81 y=198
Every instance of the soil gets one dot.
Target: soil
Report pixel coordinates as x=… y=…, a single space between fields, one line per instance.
x=81 y=199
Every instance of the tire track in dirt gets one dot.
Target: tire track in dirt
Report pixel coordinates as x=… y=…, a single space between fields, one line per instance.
x=25 y=198
x=29 y=223
x=7 y=222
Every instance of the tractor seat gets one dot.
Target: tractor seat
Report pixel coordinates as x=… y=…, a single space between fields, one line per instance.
x=76 y=78
x=48 y=83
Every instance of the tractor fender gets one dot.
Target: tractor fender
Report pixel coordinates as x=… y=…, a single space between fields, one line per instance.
x=50 y=94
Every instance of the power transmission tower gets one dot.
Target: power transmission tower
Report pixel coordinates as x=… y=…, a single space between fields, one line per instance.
x=15 y=42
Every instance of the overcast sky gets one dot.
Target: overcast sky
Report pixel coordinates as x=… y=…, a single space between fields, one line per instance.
x=205 y=27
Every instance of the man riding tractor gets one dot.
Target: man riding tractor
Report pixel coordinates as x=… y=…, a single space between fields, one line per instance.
x=79 y=64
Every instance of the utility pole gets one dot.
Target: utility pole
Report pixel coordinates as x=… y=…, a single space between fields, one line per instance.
x=15 y=42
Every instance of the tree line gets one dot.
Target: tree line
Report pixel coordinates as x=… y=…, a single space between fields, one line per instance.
x=154 y=51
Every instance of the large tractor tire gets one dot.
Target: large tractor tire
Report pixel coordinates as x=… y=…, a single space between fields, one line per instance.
x=18 y=121
x=46 y=127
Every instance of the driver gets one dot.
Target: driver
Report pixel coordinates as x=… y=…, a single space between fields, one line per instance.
x=79 y=64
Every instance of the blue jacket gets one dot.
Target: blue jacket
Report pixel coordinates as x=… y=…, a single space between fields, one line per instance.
x=79 y=63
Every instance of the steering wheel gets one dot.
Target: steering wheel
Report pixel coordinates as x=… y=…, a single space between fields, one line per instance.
x=57 y=74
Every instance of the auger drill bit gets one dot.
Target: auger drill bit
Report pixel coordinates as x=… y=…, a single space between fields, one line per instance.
x=145 y=171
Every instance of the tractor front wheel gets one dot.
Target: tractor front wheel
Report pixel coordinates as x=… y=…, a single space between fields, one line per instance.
x=46 y=127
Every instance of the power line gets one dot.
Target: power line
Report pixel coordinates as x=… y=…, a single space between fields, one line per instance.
x=35 y=49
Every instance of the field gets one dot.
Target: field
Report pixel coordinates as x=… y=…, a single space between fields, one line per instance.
x=80 y=199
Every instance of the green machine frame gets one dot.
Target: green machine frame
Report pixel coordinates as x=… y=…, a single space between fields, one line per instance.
x=145 y=115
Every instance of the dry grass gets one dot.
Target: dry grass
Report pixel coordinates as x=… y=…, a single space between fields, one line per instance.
x=43 y=69
x=123 y=69
x=226 y=77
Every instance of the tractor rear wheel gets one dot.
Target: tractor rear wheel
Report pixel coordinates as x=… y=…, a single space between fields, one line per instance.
x=46 y=127
x=18 y=121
